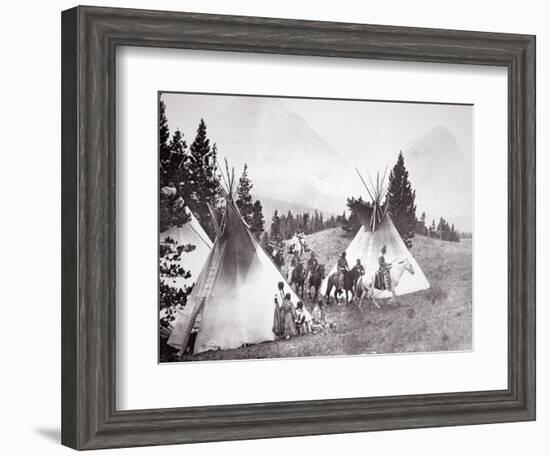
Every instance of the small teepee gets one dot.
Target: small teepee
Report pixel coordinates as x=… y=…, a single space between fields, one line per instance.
x=234 y=296
x=377 y=230
x=193 y=261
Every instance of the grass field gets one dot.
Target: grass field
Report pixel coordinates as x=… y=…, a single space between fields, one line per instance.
x=437 y=319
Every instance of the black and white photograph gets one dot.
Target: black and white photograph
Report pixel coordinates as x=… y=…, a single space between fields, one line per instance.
x=302 y=227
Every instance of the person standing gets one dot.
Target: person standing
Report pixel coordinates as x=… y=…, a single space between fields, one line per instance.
x=288 y=317
x=384 y=269
x=278 y=301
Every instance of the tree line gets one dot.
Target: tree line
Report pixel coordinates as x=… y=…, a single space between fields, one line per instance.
x=443 y=230
x=284 y=226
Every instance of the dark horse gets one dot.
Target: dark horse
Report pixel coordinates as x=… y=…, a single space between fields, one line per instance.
x=279 y=258
x=315 y=278
x=298 y=277
x=350 y=277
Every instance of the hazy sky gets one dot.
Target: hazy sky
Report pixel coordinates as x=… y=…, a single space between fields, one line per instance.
x=346 y=125
x=344 y=134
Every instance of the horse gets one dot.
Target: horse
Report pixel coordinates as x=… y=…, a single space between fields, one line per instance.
x=298 y=277
x=295 y=245
x=279 y=258
x=365 y=284
x=316 y=277
x=350 y=277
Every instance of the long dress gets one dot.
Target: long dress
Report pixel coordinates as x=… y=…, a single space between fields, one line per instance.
x=288 y=318
x=277 y=321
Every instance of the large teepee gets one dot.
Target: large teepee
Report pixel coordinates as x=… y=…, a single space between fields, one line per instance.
x=377 y=230
x=234 y=295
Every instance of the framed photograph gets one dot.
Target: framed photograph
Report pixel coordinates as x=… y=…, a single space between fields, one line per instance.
x=280 y=228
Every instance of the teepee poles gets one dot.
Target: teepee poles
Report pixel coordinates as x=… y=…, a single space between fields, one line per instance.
x=377 y=193
x=364 y=183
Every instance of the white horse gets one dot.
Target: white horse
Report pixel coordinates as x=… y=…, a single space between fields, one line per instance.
x=365 y=284
x=295 y=245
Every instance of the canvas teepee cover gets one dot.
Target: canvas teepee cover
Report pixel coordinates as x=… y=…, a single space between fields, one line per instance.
x=234 y=293
x=193 y=261
x=377 y=230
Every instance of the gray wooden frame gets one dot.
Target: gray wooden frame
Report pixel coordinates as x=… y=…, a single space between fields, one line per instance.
x=90 y=36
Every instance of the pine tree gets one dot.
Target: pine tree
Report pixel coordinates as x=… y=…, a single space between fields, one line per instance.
x=201 y=188
x=421 y=225
x=257 y=223
x=305 y=223
x=291 y=223
x=244 y=199
x=265 y=240
x=173 y=168
x=171 y=298
x=352 y=224
x=275 y=227
x=164 y=133
x=454 y=234
x=171 y=211
x=172 y=153
x=401 y=201
x=432 y=229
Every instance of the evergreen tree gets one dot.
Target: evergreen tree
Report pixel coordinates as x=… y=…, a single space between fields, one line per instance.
x=352 y=224
x=265 y=240
x=401 y=201
x=443 y=230
x=304 y=226
x=171 y=299
x=171 y=155
x=275 y=227
x=454 y=235
x=257 y=223
x=244 y=199
x=421 y=225
x=201 y=187
x=164 y=133
x=173 y=168
x=432 y=229
x=171 y=211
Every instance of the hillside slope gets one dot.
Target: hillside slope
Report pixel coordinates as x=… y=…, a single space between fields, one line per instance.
x=434 y=320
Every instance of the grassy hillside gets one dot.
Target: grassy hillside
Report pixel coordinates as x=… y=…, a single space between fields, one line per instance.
x=437 y=319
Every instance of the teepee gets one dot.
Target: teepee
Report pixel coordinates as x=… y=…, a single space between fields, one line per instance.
x=377 y=230
x=193 y=261
x=234 y=296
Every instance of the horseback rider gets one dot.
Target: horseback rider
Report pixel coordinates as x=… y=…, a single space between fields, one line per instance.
x=342 y=267
x=384 y=268
x=311 y=264
x=358 y=269
x=278 y=256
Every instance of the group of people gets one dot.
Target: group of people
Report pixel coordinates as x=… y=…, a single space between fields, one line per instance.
x=382 y=277
x=298 y=242
x=290 y=321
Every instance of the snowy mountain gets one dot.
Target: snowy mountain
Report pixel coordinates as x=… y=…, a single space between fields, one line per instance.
x=287 y=159
x=442 y=174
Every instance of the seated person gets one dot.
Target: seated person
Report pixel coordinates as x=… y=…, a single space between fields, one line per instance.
x=300 y=321
x=319 y=317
